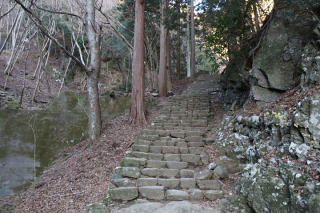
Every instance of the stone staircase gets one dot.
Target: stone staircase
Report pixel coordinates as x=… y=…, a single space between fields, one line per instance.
x=168 y=161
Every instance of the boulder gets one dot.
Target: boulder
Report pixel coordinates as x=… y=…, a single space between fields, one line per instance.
x=221 y=172
x=265 y=190
x=276 y=65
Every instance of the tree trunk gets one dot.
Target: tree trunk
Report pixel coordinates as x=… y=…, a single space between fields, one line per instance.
x=169 y=83
x=137 y=112
x=163 y=52
x=188 y=44
x=93 y=73
x=193 y=43
x=178 y=52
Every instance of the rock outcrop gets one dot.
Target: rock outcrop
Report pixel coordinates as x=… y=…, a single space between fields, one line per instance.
x=280 y=150
x=285 y=55
x=310 y=65
x=277 y=64
x=235 y=81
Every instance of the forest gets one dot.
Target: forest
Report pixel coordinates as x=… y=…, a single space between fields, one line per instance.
x=201 y=104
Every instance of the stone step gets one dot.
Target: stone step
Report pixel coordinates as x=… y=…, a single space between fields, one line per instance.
x=190 y=154
x=185 y=128
x=172 y=183
x=124 y=193
x=148 y=137
x=152 y=135
x=161 y=165
x=161 y=172
x=173 y=194
x=152 y=192
x=162 y=193
x=133 y=162
x=130 y=172
x=146 y=155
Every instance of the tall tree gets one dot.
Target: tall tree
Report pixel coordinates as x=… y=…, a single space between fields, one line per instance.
x=169 y=82
x=192 y=41
x=93 y=72
x=188 y=44
x=137 y=98
x=163 y=51
x=178 y=50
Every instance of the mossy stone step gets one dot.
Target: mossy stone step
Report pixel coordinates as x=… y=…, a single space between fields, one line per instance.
x=124 y=193
x=173 y=194
x=133 y=162
x=152 y=192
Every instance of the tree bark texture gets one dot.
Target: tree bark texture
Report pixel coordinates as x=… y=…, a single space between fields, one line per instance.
x=188 y=44
x=93 y=73
x=163 y=52
x=193 y=42
x=137 y=112
x=178 y=52
x=169 y=82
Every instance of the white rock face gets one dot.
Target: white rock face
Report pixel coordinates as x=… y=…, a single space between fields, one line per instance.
x=299 y=150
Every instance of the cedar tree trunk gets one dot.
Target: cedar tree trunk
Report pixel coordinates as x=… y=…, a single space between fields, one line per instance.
x=188 y=44
x=193 y=43
x=169 y=82
x=137 y=112
x=163 y=52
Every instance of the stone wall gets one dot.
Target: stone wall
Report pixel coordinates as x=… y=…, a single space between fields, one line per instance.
x=281 y=155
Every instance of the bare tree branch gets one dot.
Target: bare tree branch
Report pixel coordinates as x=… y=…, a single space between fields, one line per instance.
x=9 y=11
x=10 y=32
x=114 y=29
x=36 y=20
x=57 y=12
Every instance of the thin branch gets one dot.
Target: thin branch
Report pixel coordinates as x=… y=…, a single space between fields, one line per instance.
x=36 y=20
x=9 y=11
x=10 y=32
x=115 y=30
x=79 y=48
x=57 y=12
